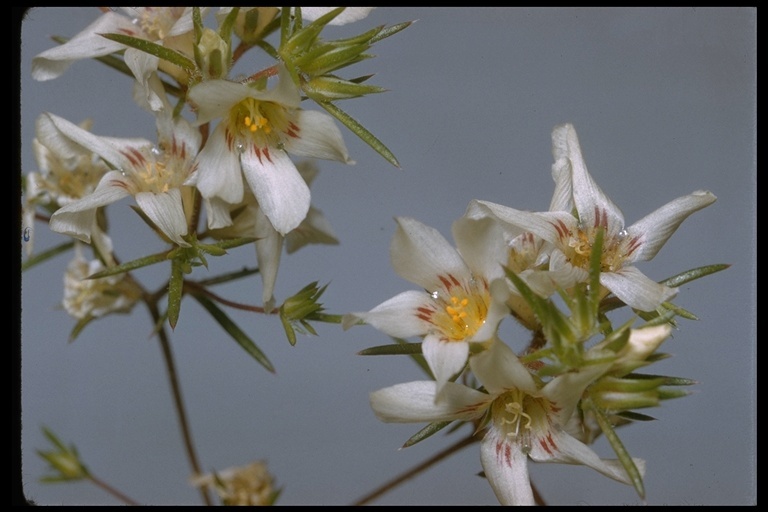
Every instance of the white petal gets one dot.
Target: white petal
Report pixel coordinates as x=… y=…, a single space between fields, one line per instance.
x=88 y=43
x=217 y=211
x=414 y=402
x=562 y=198
x=348 y=15
x=541 y=224
x=421 y=254
x=561 y=447
x=587 y=195
x=445 y=359
x=109 y=148
x=636 y=289
x=184 y=23
x=214 y=98
x=319 y=137
x=269 y=246
x=314 y=229
x=167 y=212
x=396 y=316
x=656 y=228
x=76 y=219
x=218 y=170
x=285 y=93
x=566 y=389
x=499 y=369
x=482 y=246
x=506 y=468
x=280 y=190
x=142 y=65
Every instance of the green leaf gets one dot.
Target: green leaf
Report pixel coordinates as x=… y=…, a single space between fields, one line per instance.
x=155 y=49
x=696 y=273
x=233 y=330
x=426 y=432
x=79 y=326
x=389 y=350
x=666 y=381
x=618 y=447
x=358 y=129
x=390 y=31
x=131 y=265
x=175 y=290
x=45 y=255
x=635 y=416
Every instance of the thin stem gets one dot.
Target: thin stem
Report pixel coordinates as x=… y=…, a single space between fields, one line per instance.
x=417 y=469
x=193 y=287
x=177 y=398
x=111 y=490
x=264 y=73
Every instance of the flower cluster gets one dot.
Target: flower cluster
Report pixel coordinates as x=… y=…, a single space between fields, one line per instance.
x=237 y=151
x=542 y=404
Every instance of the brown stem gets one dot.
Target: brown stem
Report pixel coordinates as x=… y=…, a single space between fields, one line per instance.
x=193 y=287
x=417 y=469
x=177 y=398
x=270 y=71
x=111 y=490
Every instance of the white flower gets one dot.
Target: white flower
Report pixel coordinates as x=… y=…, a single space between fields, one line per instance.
x=66 y=173
x=524 y=419
x=242 y=485
x=167 y=26
x=528 y=254
x=257 y=131
x=96 y=297
x=573 y=235
x=348 y=15
x=462 y=297
x=153 y=175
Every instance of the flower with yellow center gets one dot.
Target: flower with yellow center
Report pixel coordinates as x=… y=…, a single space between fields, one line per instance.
x=523 y=419
x=573 y=235
x=463 y=291
x=257 y=131
x=168 y=26
x=153 y=175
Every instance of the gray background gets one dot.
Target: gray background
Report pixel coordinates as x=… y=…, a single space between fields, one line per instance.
x=664 y=102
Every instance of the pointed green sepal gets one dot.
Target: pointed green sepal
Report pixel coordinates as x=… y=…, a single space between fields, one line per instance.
x=79 y=326
x=392 y=350
x=46 y=255
x=621 y=452
x=131 y=265
x=155 y=49
x=390 y=31
x=695 y=273
x=175 y=291
x=635 y=416
x=426 y=432
x=358 y=129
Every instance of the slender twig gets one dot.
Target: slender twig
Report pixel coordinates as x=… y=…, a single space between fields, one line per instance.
x=177 y=398
x=417 y=469
x=193 y=287
x=111 y=490
x=264 y=73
